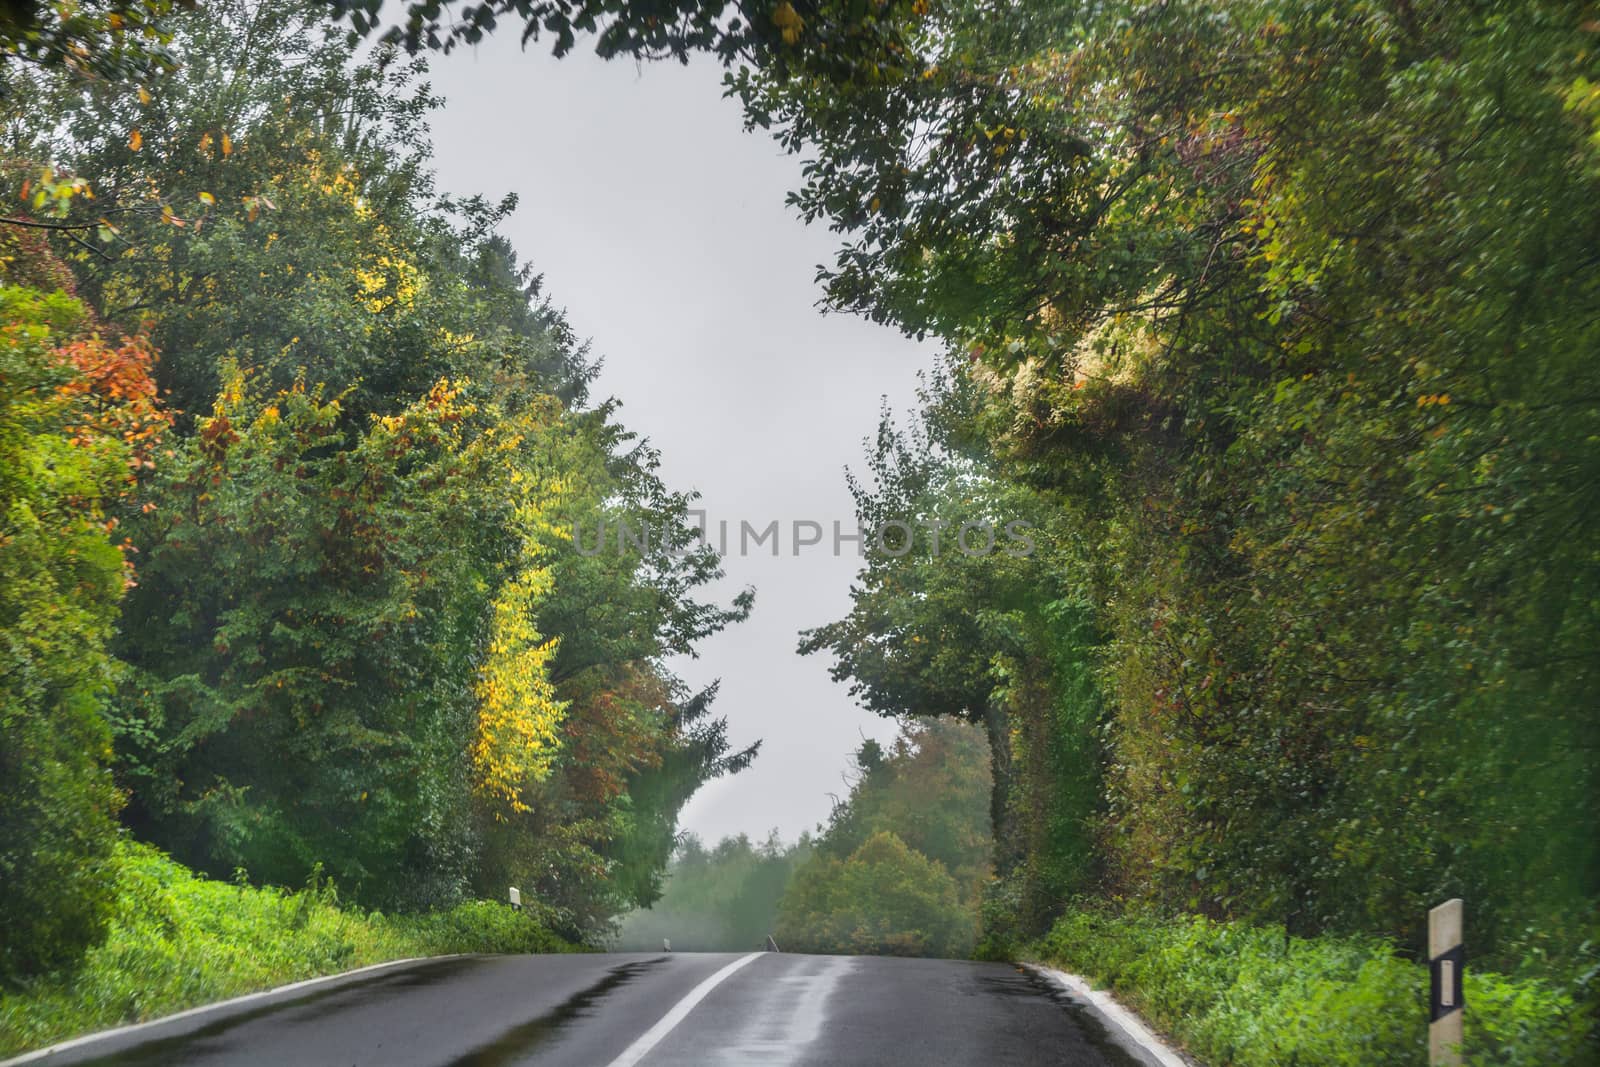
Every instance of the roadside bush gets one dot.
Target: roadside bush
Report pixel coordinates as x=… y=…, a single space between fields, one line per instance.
x=1248 y=996
x=177 y=940
x=483 y=926
x=886 y=900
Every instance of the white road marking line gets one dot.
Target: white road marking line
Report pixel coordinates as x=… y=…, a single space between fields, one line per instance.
x=786 y=1015
x=231 y=1002
x=1130 y=1024
x=654 y=1036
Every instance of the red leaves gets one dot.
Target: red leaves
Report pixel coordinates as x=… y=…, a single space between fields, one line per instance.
x=610 y=733
x=216 y=435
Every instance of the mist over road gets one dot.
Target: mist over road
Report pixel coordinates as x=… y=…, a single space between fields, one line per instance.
x=616 y=1010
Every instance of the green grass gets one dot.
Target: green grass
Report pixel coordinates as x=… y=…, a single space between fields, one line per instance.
x=179 y=940
x=1243 y=996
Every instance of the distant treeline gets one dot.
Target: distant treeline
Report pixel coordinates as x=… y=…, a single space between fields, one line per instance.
x=899 y=868
x=721 y=899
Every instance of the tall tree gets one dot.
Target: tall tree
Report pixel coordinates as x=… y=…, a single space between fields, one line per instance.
x=77 y=418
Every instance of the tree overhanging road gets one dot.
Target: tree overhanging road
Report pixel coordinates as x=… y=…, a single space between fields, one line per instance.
x=617 y=1010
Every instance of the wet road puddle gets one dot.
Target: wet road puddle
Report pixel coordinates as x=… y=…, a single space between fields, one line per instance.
x=788 y=1016
x=1031 y=984
x=337 y=996
x=515 y=1044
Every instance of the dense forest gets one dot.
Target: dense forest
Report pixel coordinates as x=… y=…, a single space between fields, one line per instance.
x=292 y=445
x=1278 y=320
x=1275 y=319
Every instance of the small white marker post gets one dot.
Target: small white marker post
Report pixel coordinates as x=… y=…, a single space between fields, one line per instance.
x=515 y=896
x=1446 y=960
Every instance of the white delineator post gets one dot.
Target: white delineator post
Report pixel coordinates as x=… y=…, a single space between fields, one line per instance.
x=1446 y=959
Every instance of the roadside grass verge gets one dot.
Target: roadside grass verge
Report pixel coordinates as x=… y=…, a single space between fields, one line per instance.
x=1244 y=996
x=178 y=941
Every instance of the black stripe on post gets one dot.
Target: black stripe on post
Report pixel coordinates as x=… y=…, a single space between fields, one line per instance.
x=1444 y=983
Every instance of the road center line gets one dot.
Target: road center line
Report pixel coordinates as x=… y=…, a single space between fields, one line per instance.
x=653 y=1036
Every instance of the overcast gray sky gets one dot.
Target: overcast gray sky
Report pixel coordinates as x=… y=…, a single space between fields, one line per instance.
x=660 y=225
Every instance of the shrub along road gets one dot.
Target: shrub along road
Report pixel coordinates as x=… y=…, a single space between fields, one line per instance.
x=625 y=1009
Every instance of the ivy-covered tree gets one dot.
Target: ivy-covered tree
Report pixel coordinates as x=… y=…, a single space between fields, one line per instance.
x=1288 y=302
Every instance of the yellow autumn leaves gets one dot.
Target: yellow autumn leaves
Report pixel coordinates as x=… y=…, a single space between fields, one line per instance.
x=788 y=21
x=392 y=281
x=519 y=715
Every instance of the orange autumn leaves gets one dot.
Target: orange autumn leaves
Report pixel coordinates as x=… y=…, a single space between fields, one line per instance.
x=112 y=404
x=113 y=394
x=97 y=394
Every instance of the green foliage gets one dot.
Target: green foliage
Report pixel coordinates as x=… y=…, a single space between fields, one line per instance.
x=901 y=864
x=1296 y=347
x=1003 y=639
x=1246 y=995
x=842 y=39
x=637 y=742
x=275 y=195
x=96 y=40
x=298 y=687
x=722 y=899
x=930 y=789
x=643 y=742
x=177 y=941
x=361 y=635
x=884 y=899
x=60 y=581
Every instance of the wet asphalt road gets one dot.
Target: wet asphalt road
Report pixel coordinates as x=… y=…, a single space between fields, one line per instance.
x=618 y=1010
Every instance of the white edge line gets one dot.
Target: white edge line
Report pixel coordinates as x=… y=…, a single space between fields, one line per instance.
x=1129 y=1023
x=653 y=1036
x=51 y=1050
